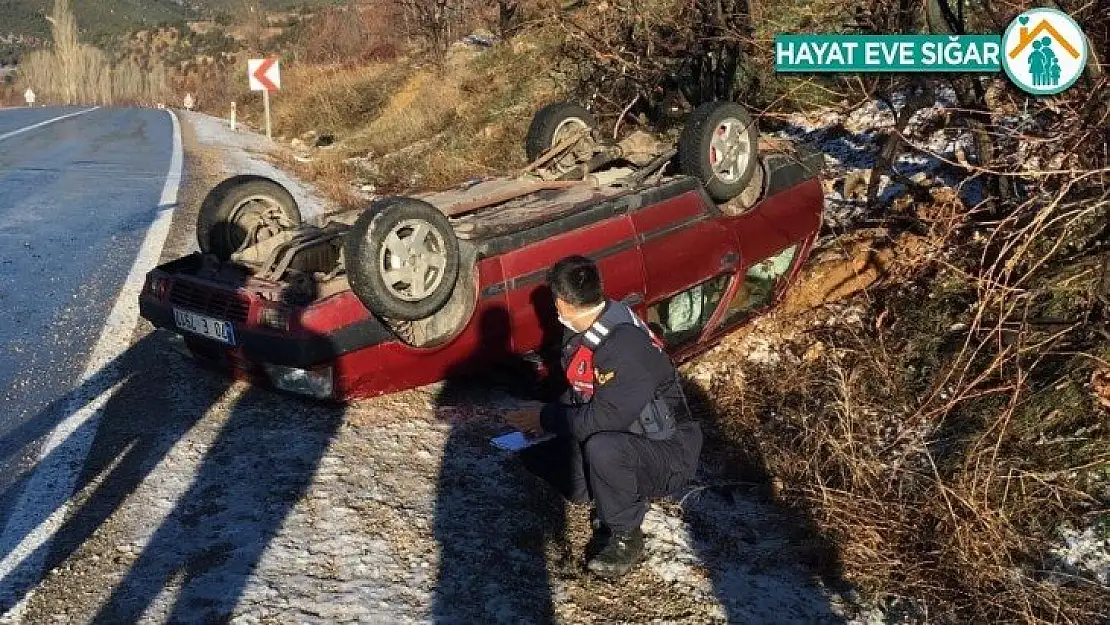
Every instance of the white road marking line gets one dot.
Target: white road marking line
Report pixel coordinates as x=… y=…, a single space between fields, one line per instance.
x=42 y=506
x=169 y=191
x=20 y=131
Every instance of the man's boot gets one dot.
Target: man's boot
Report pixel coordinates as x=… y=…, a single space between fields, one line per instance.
x=621 y=553
x=599 y=538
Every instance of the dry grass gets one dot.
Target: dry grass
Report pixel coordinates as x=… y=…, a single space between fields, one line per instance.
x=422 y=107
x=331 y=98
x=941 y=445
x=329 y=177
x=421 y=126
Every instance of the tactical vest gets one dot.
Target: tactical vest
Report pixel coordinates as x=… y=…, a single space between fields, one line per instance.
x=657 y=419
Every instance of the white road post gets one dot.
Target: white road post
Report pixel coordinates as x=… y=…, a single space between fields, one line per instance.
x=266 y=106
x=233 y=116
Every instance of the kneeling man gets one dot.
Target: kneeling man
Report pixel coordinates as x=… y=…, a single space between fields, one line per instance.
x=624 y=433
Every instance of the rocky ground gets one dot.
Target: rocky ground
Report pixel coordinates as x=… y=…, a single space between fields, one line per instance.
x=206 y=501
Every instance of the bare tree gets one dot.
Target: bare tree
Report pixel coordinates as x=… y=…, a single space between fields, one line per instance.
x=67 y=48
x=74 y=73
x=438 y=22
x=640 y=57
x=508 y=17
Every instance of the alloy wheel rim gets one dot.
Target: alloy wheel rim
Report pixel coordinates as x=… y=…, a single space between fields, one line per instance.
x=412 y=260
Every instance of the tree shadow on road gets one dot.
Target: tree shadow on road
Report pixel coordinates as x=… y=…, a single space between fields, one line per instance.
x=767 y=563
x=125 y=440
x=212 y=527
x=260 y=465
x=493 y=528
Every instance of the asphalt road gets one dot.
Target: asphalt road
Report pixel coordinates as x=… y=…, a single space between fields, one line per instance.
x=79 y=188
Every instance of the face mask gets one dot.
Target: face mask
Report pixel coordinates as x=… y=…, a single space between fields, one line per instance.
x=593 y=311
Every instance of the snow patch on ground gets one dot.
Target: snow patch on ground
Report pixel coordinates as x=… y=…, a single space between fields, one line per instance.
x=1086 y=552
x=850 y=141
x=762 y=351
x=726 y=549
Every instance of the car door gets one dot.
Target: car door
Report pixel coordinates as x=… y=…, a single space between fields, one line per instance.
x=775 y=240
x=684 y=244
x=611 y=243
x=689 y=260
x=682 y=319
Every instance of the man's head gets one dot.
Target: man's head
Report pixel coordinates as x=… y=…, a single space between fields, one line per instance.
x=576 y=285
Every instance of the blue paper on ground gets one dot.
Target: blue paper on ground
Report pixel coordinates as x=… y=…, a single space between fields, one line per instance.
x=516 y=441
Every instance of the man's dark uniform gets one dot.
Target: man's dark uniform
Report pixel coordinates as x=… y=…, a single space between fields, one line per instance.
x=624 y=429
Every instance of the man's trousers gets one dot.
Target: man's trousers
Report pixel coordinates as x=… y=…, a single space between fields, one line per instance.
x=619 y=471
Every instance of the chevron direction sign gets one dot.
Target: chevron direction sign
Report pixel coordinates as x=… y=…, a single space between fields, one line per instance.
x=264 y=74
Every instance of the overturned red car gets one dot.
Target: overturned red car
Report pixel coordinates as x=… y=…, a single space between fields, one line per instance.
x=698 y=237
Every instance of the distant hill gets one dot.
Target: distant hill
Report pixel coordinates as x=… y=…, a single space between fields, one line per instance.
x=107 y=17
x=95 y=17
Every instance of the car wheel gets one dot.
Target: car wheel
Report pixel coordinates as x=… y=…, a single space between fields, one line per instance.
x=402 y=259
x=242 y=211
x=552 y=124
x=719 y=146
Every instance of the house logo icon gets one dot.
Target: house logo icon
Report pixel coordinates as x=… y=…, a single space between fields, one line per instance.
x=1044 y=51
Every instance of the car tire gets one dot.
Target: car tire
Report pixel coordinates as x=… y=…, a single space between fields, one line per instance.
x=240 y=207
x=381 y=249
x=551 y=123
x=701 y=144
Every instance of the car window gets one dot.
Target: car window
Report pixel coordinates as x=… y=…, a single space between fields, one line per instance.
x=761 y=282
x=682 y=317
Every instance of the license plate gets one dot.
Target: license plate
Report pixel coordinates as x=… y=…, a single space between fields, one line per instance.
x=215 y=329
